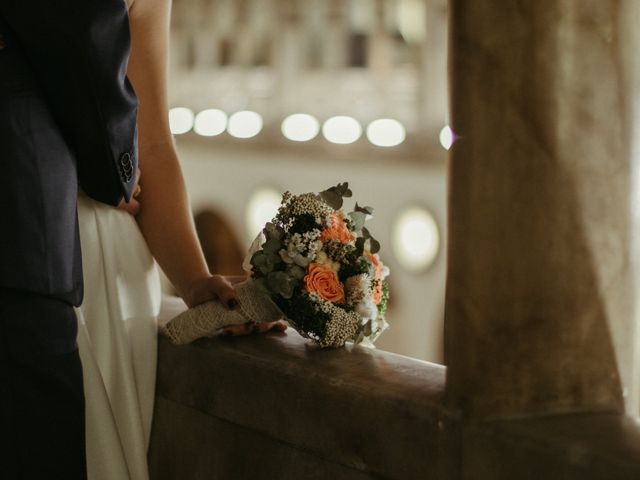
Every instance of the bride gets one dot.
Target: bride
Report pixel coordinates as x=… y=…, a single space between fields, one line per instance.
x=117 y=322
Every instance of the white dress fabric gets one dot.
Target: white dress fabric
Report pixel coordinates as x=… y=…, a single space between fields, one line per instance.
x=117 y=339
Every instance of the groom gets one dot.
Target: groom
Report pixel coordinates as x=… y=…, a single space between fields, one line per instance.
x=67 y=118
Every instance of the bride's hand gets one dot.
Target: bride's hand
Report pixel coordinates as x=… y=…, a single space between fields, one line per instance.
x=211 y=288
x=221 y=287
x=133 y=207
x=251 y=327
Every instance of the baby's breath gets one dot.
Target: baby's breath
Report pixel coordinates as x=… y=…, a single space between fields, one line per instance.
x=343 y=325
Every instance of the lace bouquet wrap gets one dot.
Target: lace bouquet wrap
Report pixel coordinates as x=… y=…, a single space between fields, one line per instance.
x=206 y=319
x=313 y=265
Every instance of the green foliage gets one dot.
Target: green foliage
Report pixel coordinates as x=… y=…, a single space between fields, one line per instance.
x=265 y=263
x=279 y=283
x=272 y=246
x=356 y=221
x=334 y=196
x=374 y=245
x=365 y=210
x=272 y=231
x=384 y=303
x=296 y=272
x=303 y=312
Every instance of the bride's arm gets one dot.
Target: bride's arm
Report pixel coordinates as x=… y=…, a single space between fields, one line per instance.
x=165 y=217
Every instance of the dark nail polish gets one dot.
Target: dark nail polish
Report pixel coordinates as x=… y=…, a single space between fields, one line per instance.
x=232 y=304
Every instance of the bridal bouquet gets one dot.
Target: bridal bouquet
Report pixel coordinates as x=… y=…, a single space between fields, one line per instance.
x=313 y=264
x=321 y=267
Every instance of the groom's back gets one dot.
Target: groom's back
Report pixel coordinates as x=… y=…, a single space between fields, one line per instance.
x=67 y=118
x=39 y=245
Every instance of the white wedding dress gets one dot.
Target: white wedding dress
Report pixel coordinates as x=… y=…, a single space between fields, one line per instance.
x=117 y=339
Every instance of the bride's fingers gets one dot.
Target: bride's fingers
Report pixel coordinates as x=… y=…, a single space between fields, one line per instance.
x=222 y=288
x=278 y=326
x=237 y=330
x=233 y=279
x=133 y=207
x=250 y=327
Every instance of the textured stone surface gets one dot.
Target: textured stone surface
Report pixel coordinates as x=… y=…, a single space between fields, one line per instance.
x=369 y=411
x=206 y=447
x=541 y=278
x=274 y=407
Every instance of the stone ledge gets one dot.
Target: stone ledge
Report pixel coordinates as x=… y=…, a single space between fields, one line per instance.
x=364 y=411
x=276 y=407
x=593 y=446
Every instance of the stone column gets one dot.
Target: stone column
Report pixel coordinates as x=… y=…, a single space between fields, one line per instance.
x=336 y=41
x=433 y=93
x=380 y=49
x=288 y=54
x=540 y=307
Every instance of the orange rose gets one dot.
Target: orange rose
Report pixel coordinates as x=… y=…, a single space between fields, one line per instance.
x=377 y=265
x=324 y=281
x=337 y=231
x=376 y=293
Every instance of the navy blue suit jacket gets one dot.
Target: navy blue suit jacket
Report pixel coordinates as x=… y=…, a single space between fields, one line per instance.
x=67 y=118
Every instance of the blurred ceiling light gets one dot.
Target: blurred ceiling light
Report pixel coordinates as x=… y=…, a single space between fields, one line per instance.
x=210 y=122
x=300 y=127
x=262 y=207
x=412 y=20
x=416 y=239
x=342 y=130
x=386 y=132
x=446 y=137
x=245 y=124
x=180 y=120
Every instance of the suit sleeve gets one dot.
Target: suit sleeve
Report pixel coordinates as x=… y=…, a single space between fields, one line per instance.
x=79 y=51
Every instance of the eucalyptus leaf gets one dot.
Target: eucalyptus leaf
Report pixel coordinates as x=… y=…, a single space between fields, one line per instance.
x=374 y=245
x=272 y=245
x=334 y=196
x=257 y=259
x=261 y=283
x=365 y=210
x=265 y=262
x=360 y=245
x=296 y=272
x=357 y=220
x=281 y=284
x=271 y=231
x=332 y=199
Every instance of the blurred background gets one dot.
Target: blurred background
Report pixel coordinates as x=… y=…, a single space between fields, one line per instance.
x=299 y=95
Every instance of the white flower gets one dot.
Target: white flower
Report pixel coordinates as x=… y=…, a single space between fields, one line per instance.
x=357 y=288
x=367 y=309
x=292 y=255
x=385 y=272
x=323 y=259
x=255 y=246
